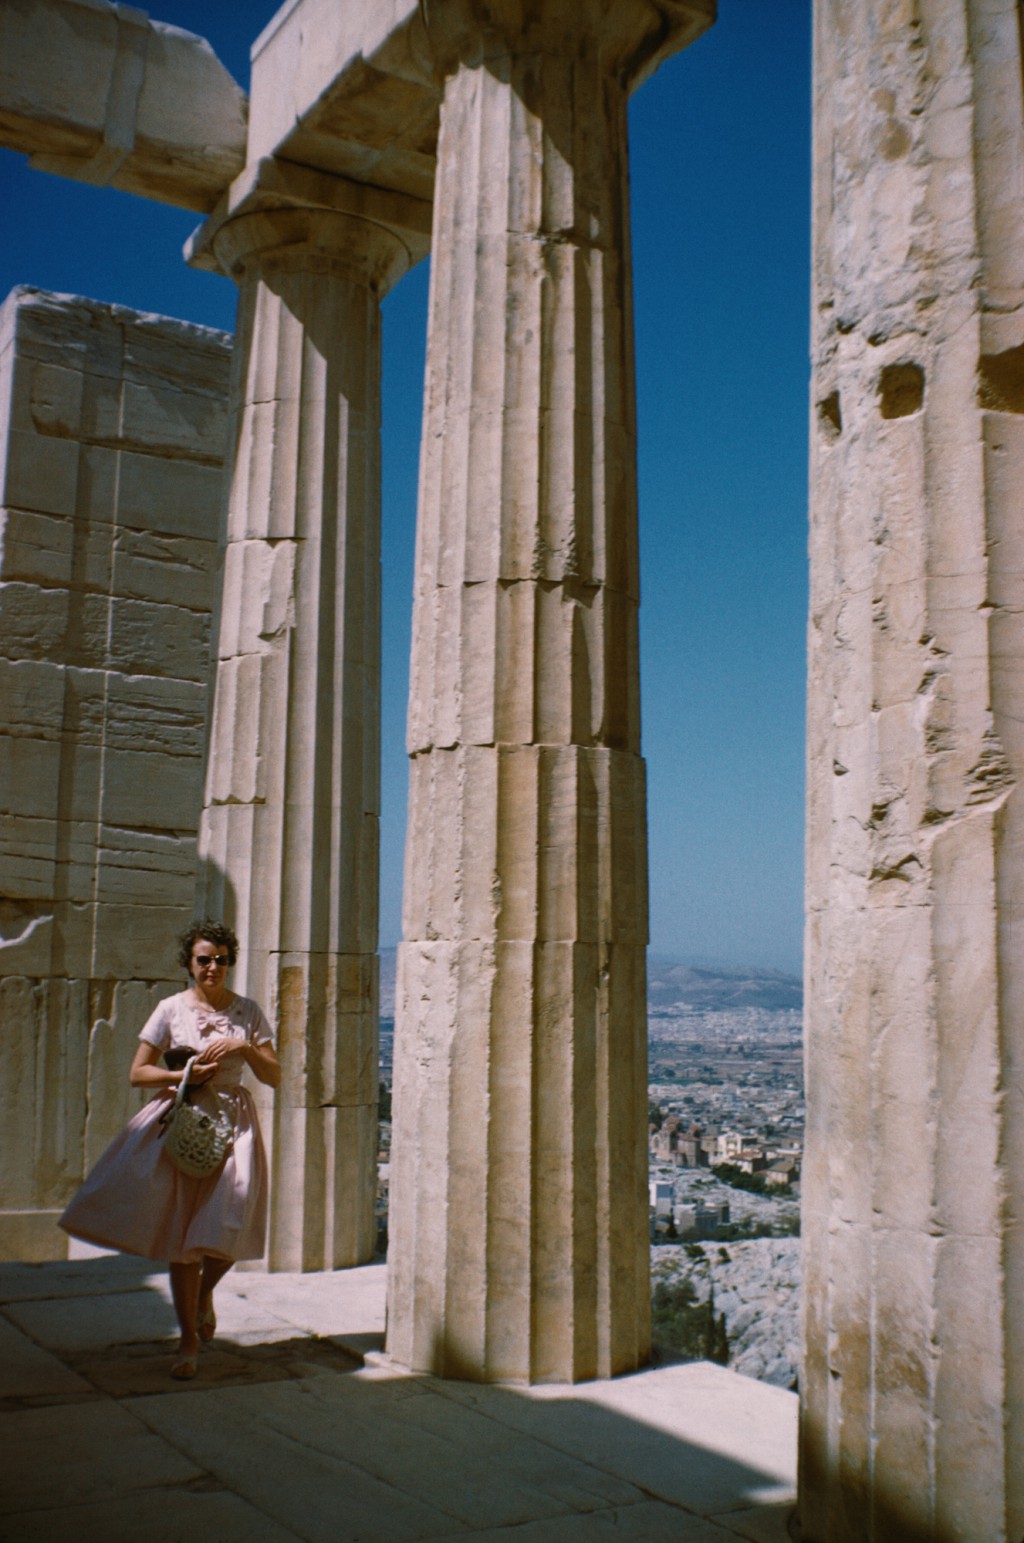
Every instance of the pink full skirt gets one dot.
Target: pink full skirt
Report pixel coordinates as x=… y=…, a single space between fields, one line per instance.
x=137 y=1201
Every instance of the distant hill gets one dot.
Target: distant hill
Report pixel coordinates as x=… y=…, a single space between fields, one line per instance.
x=670 y=984
x=718 y=990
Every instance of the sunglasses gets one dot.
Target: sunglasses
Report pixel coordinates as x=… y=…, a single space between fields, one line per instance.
x=218 y=959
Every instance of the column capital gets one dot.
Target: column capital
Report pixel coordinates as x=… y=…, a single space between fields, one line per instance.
x=282 y=217
x=632 y=36
x=311 y=241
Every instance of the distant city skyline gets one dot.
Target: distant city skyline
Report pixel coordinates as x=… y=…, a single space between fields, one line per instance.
x=720 y=182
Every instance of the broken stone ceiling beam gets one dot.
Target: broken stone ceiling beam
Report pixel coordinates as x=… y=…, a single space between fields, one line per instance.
x=350 y=90
x=101 y=93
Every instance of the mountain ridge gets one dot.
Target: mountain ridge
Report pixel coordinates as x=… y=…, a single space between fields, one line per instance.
x=675 y=983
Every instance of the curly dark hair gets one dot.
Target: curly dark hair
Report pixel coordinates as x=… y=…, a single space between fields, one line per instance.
x=214 y=932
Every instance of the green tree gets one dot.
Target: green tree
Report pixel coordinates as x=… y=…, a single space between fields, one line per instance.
x=728 y=1173
x=684 y=1327
x=720 y=1350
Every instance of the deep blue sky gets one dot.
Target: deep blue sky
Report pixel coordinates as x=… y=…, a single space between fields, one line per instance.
x=720 y=178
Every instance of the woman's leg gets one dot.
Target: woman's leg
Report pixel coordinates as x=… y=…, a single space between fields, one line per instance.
x=185 y=1295
x=214 y=1271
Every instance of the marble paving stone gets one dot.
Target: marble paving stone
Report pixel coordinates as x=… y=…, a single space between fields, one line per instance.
x=394 y=1435
x=248 y=1320
x=760 y=1524
x=273 y=1448
x=158 y=1516
x=130 y=1371
x=82 y=1452
x=335 y=1303
x=654 y=1429
x=262 y=1330
x=648 y=1522
x=26 y=1371
x=310 y=1448
x=449 y=1434
x=96 y=1321
x=242 y=1326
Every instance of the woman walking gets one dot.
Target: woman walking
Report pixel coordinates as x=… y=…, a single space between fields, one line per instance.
x=136 y=1199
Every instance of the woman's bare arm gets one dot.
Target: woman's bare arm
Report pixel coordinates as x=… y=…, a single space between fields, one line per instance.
x=146 y=1071
x=263 y=1060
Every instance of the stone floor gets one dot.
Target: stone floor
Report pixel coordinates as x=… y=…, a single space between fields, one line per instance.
x=298 y=1428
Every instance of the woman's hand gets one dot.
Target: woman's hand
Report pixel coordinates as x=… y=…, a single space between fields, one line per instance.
x=217 y=1050
x=260 y=1058
x=201 y=1072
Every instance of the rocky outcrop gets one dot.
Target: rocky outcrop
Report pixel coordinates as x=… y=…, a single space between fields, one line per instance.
x=757 y=1288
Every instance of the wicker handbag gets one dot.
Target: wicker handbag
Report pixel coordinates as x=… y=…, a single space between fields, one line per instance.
x=195 y=1141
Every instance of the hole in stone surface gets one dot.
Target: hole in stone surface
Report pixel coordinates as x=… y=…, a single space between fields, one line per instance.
x=900 y=390
x=1001 y=381
x=894 y=140
x=830 y=418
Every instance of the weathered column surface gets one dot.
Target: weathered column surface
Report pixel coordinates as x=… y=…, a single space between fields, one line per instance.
x=518 y=1217
x=289 y=833
x=913 y=1386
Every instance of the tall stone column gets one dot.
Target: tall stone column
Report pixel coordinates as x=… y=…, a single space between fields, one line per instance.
x=289 y=834
x=913 y=1384
x=518 y=1211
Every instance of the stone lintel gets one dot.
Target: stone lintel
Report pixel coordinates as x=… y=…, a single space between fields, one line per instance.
x=356 y=90
x=348 y=89
x=632 y=37
x=104 y=95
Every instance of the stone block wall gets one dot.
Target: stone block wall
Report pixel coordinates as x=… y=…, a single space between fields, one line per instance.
x=112 y=435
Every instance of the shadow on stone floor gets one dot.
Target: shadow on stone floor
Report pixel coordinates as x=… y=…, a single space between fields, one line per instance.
x=108 y=1323
x=125 y=1371
x=285 y=1435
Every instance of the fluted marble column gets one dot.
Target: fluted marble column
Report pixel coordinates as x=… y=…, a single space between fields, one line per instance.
x=912 y=1424
x=518 y=1210
x=290 y=830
